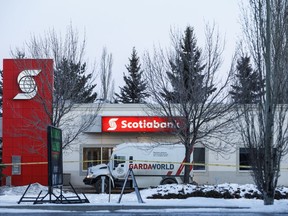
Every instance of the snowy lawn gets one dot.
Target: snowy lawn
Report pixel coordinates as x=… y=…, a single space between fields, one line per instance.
x=171 y=196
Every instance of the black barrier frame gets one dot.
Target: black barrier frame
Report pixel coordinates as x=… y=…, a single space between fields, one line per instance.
x=131 y=173
x=55 y=173
x=61 y=199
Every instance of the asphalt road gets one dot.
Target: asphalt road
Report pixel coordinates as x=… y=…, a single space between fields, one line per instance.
x=129 y=213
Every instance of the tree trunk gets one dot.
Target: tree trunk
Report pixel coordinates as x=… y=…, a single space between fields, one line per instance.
x=268 y=189
x=187 y=166
x=268 y=196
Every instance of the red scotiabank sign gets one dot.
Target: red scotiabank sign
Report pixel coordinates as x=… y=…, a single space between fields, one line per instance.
x=139 y=124
x=27 y=100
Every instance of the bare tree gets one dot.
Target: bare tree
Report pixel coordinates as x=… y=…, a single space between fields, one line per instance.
x=72 y=85
x=107 y=83
x=183 y=85
x=264 y=125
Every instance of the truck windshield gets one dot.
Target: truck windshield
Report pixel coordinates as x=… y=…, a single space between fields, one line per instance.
x=118 y=160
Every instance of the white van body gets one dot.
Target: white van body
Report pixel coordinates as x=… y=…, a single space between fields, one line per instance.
x=152 y=165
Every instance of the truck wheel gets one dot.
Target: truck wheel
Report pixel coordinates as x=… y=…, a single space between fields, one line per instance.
x=98 y=186
x=168 y=181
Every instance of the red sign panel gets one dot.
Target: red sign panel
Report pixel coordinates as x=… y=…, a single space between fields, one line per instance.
x=138 y=124
x=27 y=106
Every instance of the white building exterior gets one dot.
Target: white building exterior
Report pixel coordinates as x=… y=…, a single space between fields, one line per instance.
x=95 y=146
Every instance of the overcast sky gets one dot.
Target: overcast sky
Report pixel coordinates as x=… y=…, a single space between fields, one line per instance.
x=117 y=24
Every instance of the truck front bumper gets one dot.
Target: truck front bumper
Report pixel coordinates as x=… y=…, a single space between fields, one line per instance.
x=87 y=181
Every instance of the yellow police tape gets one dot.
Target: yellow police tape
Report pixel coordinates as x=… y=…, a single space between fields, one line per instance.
x=142 y=161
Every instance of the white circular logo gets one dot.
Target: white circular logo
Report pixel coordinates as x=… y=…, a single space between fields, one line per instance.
x=27 y=84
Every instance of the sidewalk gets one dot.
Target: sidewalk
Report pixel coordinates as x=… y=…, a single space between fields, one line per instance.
x=112 y=207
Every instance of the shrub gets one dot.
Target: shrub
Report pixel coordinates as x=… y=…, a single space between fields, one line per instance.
x=216 y=192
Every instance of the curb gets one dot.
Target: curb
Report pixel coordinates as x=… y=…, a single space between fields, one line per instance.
x=83 y=208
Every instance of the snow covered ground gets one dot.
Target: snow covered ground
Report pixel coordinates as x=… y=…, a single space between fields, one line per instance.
x=9 y=196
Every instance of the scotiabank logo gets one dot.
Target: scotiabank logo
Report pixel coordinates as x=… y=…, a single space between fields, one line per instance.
x=138 y=124
x=112 y=124
x=27 y=84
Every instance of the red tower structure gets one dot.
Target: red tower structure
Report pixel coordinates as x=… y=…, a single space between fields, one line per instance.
x=27 y=111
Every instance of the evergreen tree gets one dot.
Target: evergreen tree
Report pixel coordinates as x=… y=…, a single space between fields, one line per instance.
x=72 y=83
x=134 y=90
x=249 y=86
x=186 y=75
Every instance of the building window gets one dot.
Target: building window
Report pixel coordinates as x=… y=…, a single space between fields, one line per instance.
x=258 y=154
x=244 y=159
x=199 y=158
x=93 y=156
x=244 y=163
